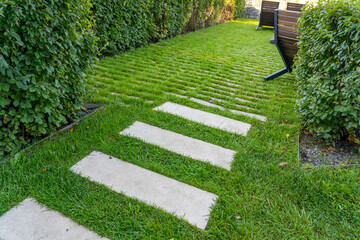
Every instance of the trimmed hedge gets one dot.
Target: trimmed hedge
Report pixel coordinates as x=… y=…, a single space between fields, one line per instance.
x=127 y=24
x=328 y=68
x=45 y=48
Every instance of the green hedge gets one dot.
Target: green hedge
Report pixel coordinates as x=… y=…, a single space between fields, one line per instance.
x=328 y=68
x=45 y=48
x=127 y=24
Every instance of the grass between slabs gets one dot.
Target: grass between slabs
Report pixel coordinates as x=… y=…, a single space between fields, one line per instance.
x=257 y=199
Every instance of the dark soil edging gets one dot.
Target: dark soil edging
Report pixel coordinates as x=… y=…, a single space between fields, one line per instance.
x=90 y=110
x=315 y=153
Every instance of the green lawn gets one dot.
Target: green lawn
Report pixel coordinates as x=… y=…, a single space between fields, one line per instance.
x=257 y=199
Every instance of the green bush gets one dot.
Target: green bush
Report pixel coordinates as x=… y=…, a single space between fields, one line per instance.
x=239 y=8
x=45 y=48
x=121 y=24
x=127 y=24
x=328 y=68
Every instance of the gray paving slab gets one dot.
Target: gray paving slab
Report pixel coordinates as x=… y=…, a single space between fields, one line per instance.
x=206 y=118
x=252 y=115
x=205 y=103
x=181 y=144
x=178 y=95
x=30 y=220
x=180 y=199
x=242 y=100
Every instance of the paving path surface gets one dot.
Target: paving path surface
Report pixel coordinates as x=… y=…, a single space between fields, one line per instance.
x=206 y=118
x=173 y=196
x=181 y=144
x=252 y=115
x=31 y=221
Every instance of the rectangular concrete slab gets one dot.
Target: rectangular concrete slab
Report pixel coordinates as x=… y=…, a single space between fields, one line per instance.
x=252 y=115
x=30 y=220
x=206 y=118
x=175 y=197
x=181 y=144
x=205 y=103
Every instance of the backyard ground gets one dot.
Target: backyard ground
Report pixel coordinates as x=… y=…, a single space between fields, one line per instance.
x=223 y=65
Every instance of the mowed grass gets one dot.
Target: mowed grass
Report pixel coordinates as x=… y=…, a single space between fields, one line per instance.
x=257 y=199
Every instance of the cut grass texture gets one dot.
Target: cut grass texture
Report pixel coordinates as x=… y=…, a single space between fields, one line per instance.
x=257 y=199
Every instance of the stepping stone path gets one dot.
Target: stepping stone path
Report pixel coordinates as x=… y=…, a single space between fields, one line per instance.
x=175 y=197
x=252 y=115
x=30 y=220
x=206 y=118
x=205 y=103
x=181 y=144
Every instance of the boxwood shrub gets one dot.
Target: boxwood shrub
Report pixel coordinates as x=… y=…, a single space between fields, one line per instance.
x=328 y=68
x=45 y=48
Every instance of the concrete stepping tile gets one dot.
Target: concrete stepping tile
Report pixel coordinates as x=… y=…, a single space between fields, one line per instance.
x=205 y=103
x=181 y=144
x=30 y=220
x=252 y=115
x=185 y=201
x=178 y=95
x=206 y=118
x=242 y=100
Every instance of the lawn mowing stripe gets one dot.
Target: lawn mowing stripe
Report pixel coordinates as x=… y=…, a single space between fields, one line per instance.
x=142 y=86
x=147 y=76
x=139 y=83
x=237 y=85
x=171 y=56
x=176 y=70
x=180 y=199
x=30 y=220
x=156 y=74
x=183 y=145
x=130 y=86
x=206 y=118
x=105 y=97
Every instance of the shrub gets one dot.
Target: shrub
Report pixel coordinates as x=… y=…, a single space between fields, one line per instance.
x=45 y=48
x=239 y=8
x=127 y=24
x=121 y=24
x=328 y=68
